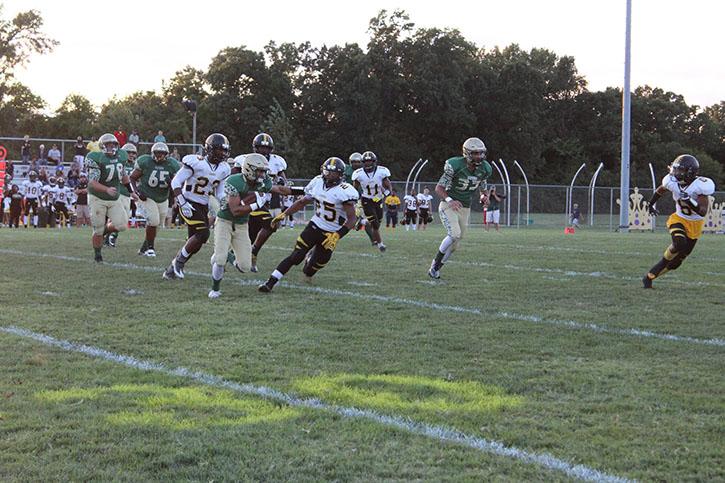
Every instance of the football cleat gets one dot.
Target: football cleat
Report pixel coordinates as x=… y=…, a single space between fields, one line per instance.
x=112 y=239
x=382 y=248
x=169 y=273
x=234 y=264
x=144 y=248
x=264 y=288
x=432 y=272
x=98 y=259
x=214 y=294
x=646 y=281
x=178 y=268
x=150 y=253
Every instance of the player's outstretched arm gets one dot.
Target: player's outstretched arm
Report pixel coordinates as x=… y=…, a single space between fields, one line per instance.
x=296 y=206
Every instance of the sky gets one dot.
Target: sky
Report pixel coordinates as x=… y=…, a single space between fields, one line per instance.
x=116 y=48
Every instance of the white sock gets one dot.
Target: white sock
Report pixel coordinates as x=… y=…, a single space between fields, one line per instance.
x=35 y=220
x=217 y=271
x=184 y=252
x=447 y=254
x=277 y=274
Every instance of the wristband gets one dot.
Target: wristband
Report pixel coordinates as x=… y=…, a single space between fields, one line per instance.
x=343 y=231
x=254 y=207
x=180 y=200
x=448 y=199
x=297 y=190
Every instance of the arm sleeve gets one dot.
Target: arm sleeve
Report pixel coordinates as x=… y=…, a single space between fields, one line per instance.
x=447 y=179
x=181 y=176
x=94 y=172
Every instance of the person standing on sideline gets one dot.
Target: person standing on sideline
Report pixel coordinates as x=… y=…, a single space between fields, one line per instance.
x=134 y=138
x=160 y=138
x=462 y=175
x=392 y=202
x=25 y=149
x=493 y=210
x=121 y=136
x=411 y=210
x=424 y=201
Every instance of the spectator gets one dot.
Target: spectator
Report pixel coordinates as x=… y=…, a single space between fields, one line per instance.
x=121 y=136
x=493 y=208
x=42 y=156
x=9 y=168
x=175 y=154
x=5 y=219
x=16 y=206
x=392 y=202
x=575 y=215
x=43 y=176
x=73 y=177
x=160 y=138
x=54 y=155
x=83 y=213
x=80 y=152
x=59 y=172
x=133 y=138
x=25 y=149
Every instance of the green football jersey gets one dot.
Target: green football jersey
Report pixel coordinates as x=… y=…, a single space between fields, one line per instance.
x=156 y=178
x=348 y=173
x=106 y=171
x=128 y=168
x=236 y=185
x=459 y=182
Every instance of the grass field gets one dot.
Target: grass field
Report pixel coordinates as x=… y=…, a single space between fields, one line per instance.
x=537 y=356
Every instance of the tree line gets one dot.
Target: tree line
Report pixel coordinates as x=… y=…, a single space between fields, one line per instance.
x=410 y=93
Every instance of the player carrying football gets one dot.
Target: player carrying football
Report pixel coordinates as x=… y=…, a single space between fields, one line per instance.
x=334 y=217
x=462 y=175
x=373 y=181
x=690 y=193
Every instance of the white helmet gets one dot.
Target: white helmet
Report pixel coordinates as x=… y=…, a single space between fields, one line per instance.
x=129 y=148
x=474 y=151
x=253 y=163
x=160 y=148
x=103 y=144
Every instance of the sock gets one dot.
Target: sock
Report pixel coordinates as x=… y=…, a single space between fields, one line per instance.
x=277 y=275
x=97 y=252
x=183 y=256
x=217 y=273
x=660 y=268
x=446 y=244
x=255 y=250
x=35 y=220
x=447 y=254
x=438 y=260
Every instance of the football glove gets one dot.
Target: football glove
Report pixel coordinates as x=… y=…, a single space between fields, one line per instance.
x=277 y=220
x=331 y=240
x=185 y=207
x=653 y=209
x=377 y=199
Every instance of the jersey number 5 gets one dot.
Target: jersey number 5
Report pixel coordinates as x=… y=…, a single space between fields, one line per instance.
x=327 y=208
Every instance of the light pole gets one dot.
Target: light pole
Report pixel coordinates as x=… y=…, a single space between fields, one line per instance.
x=190 y=106
x=626 y=128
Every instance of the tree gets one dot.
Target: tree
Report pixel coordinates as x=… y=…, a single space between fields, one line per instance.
x=76 y=116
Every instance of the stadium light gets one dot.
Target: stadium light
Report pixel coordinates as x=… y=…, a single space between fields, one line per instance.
x=626 y=128
x=190 y=105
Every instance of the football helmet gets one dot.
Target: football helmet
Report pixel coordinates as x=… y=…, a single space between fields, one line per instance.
x=255 y=167
x=51 y=181
x=61 y=182
x=216 y=148
x=333 y=169
x=131 y=150
x=160 y=151
x=108 y=145
x=474 y=151
x=263 y=144
x=369 y=160
x=685 y=168
x=33 y=175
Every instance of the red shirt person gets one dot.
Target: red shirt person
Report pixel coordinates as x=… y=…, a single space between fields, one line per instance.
x=121 y=135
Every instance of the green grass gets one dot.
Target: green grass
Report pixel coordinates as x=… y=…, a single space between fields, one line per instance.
x=636 y=407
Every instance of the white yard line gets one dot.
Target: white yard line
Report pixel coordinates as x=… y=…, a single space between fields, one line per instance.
x=535 y=319
x=439 y=433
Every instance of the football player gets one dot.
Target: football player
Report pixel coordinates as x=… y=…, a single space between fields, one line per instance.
x=462 y=175
x=32 y=190
x=690 y=193
x=260 y=220
x=151 y=181
x=48 y=200
x=231 y=227
x=374 y=183
x=198 y=178
x=334 y=217
x=62 y=197
x=125 y=197
x=411 y=210
x=106 y=174
x=424 y=200
x=355 y=162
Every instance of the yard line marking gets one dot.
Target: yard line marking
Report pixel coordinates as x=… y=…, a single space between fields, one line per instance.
x=440 y=433
x=567 y=324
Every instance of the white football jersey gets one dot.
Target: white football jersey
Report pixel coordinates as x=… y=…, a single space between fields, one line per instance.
x=198 y=178
x=49 y=192
x=329 y=212
x=424 y=201
x=411 y=202
x=32 y=190
x=701 y=186
x=371 y=183
x=56 y=194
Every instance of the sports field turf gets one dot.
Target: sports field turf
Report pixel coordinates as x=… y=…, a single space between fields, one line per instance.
x=537 y=356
